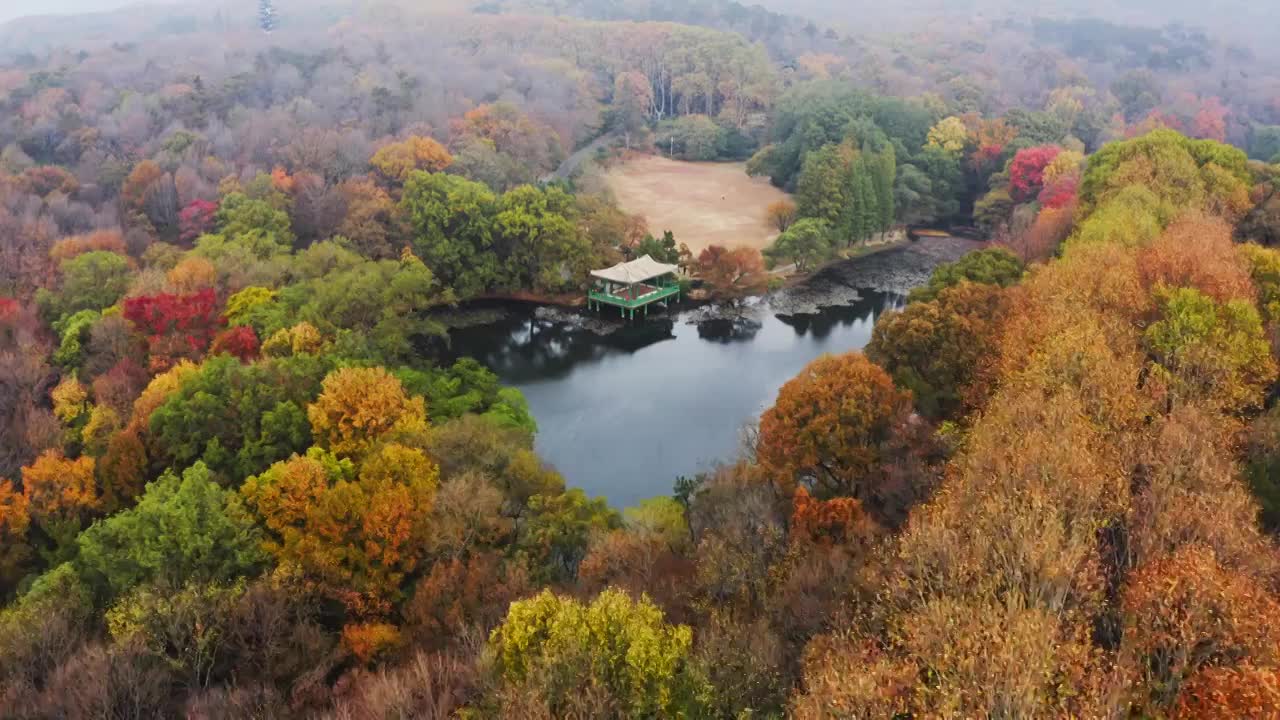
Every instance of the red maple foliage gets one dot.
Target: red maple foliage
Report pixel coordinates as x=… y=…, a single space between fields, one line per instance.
x=239 y=342
x=196 y=219
x=1060 y=193
x=177 y=326
x=1026 y=170
x=1210 y=122
x=8 y=309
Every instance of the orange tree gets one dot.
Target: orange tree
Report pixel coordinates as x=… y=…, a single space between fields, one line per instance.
x=829 y=425
x=355 y=532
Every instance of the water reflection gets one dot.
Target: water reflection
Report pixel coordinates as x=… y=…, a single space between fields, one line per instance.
x=623 y=415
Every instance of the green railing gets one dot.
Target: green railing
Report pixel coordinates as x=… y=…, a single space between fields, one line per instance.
x=661 y=293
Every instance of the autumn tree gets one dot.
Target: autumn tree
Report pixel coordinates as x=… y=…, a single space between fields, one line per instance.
x=781 y=214
x=176 y=326
x=357 y=533
x=357 y=407
x=829 y=425
x=370 y=221
x=59 y=490
x=1026 y=171
x=396 y=161
x=937 y=349
x=734 y=272
x=1185 y=613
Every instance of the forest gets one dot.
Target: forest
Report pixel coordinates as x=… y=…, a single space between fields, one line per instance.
x=242 y=476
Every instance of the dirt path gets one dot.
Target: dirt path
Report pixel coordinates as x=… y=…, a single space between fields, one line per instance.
x=703 y=204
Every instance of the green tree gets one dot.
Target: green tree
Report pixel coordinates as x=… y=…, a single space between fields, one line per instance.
x=237 y=418
x=884 y=173
x=92 y=281
x=807 y=243
x=992 y=266
x=542 y=247
x=556 y=529
x=1211 y=352
x=467 y=387
x=183 y=529
x=452 y=220
x=553 y=647
x=256 y=224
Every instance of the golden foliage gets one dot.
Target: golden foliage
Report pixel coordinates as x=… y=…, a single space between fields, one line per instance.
x=58 y=489
x=359 y=406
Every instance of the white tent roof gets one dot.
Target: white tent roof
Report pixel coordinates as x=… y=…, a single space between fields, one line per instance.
x=636 y=271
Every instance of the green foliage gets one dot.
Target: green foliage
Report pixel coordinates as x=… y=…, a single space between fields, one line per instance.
x=1262 y=467
x=662 y=517
x=526 y=239
x=256 y=307
x=816 y=114
x=1264 y=143
x=182 y=529
x=1211 y=352
x=73 y=331
x=238 y=419
x=468 y=387
x=255 y=224
x=556 y=529
x=694 y=138
x=993 y=209
x=992 y=266
x=452 y=220
x=557 y=646
x=807 y=243
x=849 y=189
x=1183 y=172
x=545 y=249
x=1132 y=217
x=92 y=281
x=663 y=250
x=387 y=301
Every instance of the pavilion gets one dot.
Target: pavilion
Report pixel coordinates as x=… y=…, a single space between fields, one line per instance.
x=634 y=285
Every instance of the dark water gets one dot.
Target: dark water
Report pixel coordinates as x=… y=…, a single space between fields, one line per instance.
x=624 y=415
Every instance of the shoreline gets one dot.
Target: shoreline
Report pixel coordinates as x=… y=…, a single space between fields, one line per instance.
x=893 y=268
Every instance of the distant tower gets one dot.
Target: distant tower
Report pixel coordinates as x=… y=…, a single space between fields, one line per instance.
x=266 y=16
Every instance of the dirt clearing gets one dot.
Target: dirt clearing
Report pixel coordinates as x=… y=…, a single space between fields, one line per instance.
x=702 y=203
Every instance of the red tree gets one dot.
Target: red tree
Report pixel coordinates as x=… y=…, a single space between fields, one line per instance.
x=1210 y=122
x=1026 y=171
x=239 y=342
x=196 y=219
x=1060 y=193
x=177 y=326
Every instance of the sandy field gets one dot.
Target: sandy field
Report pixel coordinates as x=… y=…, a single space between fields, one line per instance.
x=702 y=203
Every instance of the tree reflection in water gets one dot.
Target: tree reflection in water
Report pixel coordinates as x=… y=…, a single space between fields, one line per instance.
x=622 y=415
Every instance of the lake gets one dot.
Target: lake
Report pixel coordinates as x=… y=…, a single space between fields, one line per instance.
x=623 y=415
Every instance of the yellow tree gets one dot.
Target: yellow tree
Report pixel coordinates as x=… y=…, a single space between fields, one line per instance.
x=357 y=407
x=397 y=161
x=58 y=489
x=356 y=534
